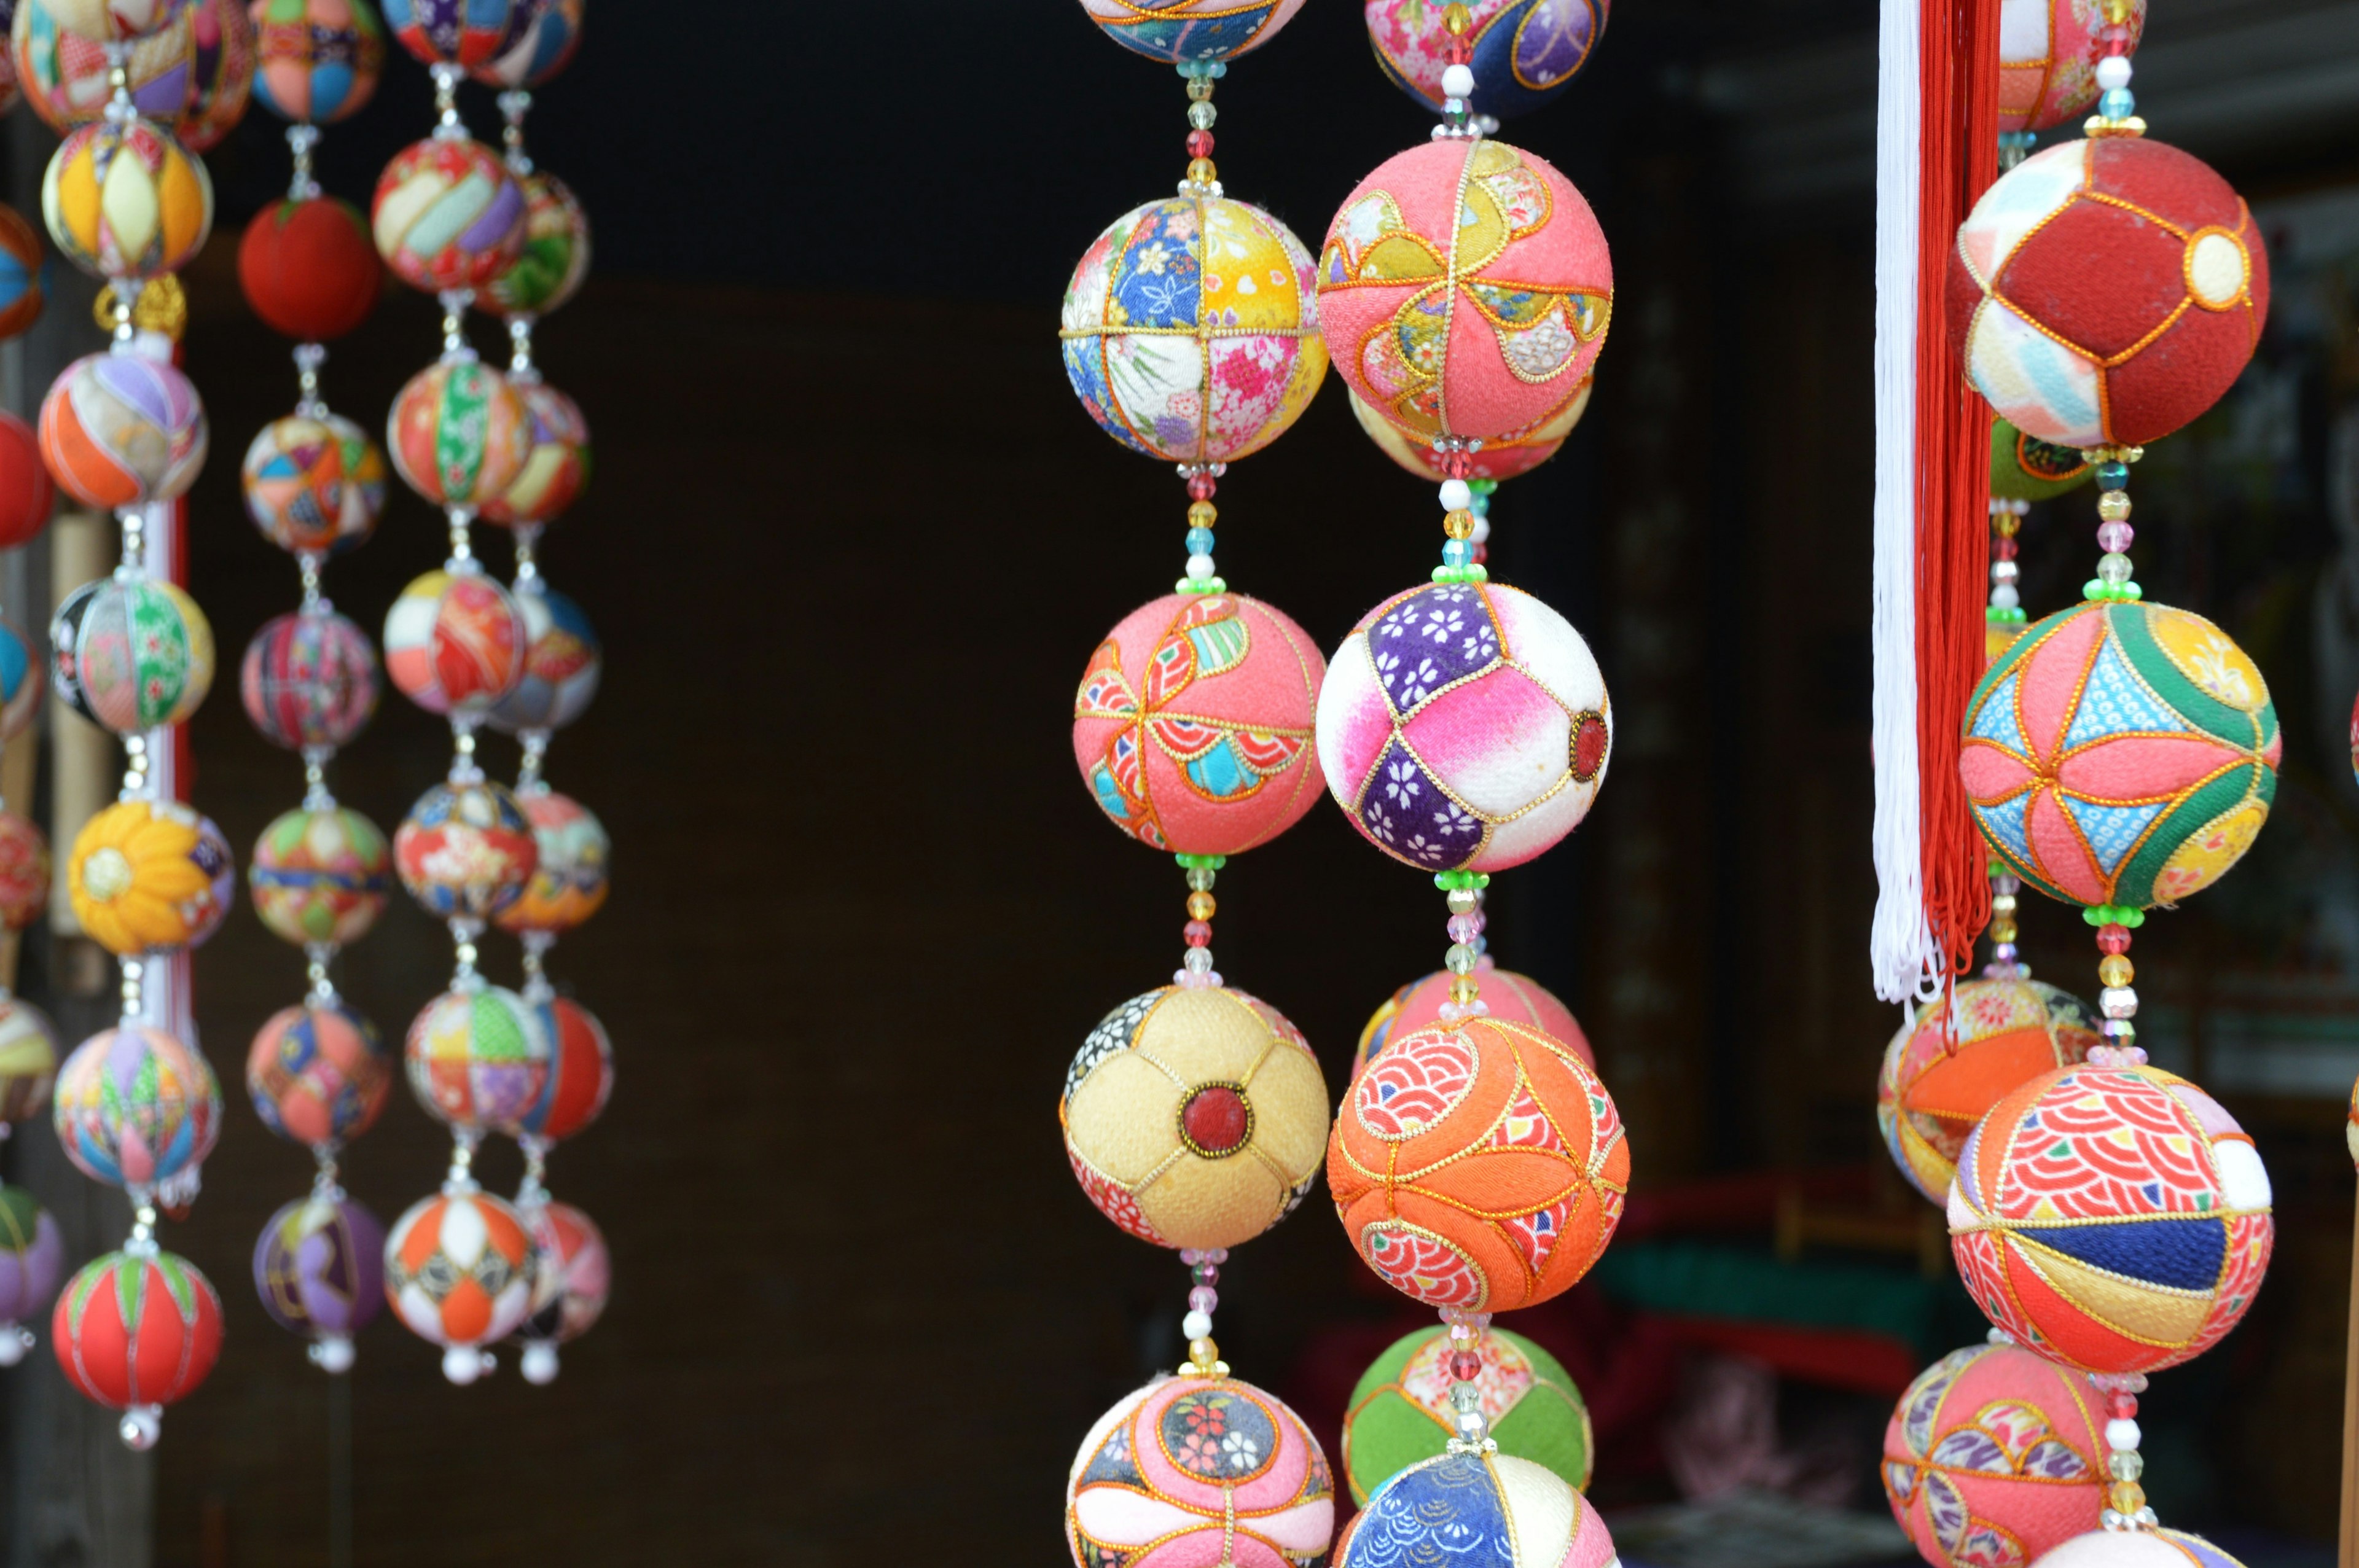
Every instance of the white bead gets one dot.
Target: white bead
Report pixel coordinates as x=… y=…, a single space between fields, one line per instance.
x=2117 y=1001
x=2122 y=1436
x=1482 y=532
x=538 y=1363
x=1455 y=495
x=141 y=1427
x=2004 y=571
x=332 y=1353
x=1195 y=1325
x=1198 y=568
x=1458 y=80
x=2113 y=72
x=462 y=1364
x=2004 y=597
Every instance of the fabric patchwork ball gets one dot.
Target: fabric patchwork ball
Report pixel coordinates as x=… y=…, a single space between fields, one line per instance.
x=150 y=876
x=309 y=680
x=1464 y=725
x=1992 y=1456
x=552 y=30
x=321 y=875
x=562 y=663
x=113 y=21
x=2047 y=54
x=458 y=434
x=470 y=33
x=20 y=685
x=1178 y=30
x=28 y=1060
x=318 y=1268
x=1465 y=291
x=554 y=471
x=141 y=655
x=1481 y=1167
x=2114 y=1219
x=28 y=493
x=478 y=1059
x=466 y=850
x=1200 y=1473
x=455 y=643
x=458 y=1270
x=318 y=1074
x=448 y=214
x=549 y=270
x=319 y=60
x=570 y=1284
x=126 y=201
x=1190 y=330
x=1948 y=1065
x=1193 y=1117
x=1192 y=726
x=2106 y=292
x=2137 y=1548
x=1494 y=1511
x=310 y=268
x=24 y=275
x=1525 y=51
x=136 y=1332
x=1494 y=460
x=119 y=430
x=2120 y=753
x=2024 y=468
x=580 y=1073
x=1416 y=1006
x=569 y=879
x=193 y=73
x=24 y=874
x=314 y=484
x=1400 y=1414
x=32 y=1258
x=135 y=1107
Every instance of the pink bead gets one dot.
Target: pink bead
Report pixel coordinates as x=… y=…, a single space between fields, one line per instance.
x=2004 y=550
x=1199 y=933
x=1200 y=144
x=2116 y=536
x=1216 y=1255
x=1450 y=1013
x=1201 y=487
x=1203 y=1299
x=1466 y=927
x=1190 y=1256
x=2113 y=938
x=2122 y=1406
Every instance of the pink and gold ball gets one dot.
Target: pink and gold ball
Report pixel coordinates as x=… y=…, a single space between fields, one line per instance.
x=1492 y=461
x=1416 y=1006
x=1994 y=1457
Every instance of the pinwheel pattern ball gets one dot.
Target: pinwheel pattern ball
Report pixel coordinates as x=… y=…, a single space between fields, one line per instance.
x=1995 y=1456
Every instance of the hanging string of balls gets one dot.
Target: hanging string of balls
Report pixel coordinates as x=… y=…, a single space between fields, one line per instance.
x=124 y=430
x=317 y=1071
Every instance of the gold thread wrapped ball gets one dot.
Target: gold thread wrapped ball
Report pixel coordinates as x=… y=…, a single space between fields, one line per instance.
x=1195 y=1117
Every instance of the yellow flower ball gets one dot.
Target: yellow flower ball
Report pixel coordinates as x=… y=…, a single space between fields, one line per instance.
x=150 y=876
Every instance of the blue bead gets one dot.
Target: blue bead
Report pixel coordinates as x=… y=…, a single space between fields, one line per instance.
x=2113 y=476
x=1456 y=553
x=2117 y=104
x=1199 y=541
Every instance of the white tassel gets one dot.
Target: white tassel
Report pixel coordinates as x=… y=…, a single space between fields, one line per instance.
x=1900 y=943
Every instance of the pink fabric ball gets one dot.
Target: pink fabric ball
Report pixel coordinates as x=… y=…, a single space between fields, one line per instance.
x=1508 y=995
x=2047 y=54
x=1192 y=726
x=1465 y=727
x=1465 y=290
x=1995 y=1456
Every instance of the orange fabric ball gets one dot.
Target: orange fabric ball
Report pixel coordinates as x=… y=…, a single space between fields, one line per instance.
x=1481 y=1166
x=310 y=268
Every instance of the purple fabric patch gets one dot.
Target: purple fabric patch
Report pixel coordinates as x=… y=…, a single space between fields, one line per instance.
x=1405 y=810
x=29 y=1279
x=496 y=220
x=1552 y=41
x=1432 y=639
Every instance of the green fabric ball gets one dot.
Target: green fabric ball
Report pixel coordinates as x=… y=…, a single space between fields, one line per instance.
x=2023 y=468
x=1400 y=1411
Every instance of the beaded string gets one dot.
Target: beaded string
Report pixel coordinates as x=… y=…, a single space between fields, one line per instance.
x=2002 y=622
x=1458 y=119
x=1462 y=894
x=1196 y=971
x=1203 y=1297
x=1202 y=178
x=1470 y=1424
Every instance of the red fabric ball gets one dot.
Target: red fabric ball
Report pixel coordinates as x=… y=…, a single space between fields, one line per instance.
x=27 y=495
x=310 y=268
x=132 y=1331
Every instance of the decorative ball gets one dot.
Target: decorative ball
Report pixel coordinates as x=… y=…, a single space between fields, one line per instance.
x=1992 y=1456
x=121 y=430
x=458 y=434
x=1526 y=52
x=2047 y=54
x=317 y=1074
x=24 y=274
x=447 y=215
x=549 y=270
x=319 y=1267
x=1465 y=291
x=319 y=58
x=2024 y=468
x=192 y=74
x=458 y=1270
x=581 y=1073
x=2185 y=287
x=309 y=267
x=1400 y=1411
x=1494 y=461
x=1525 y=1515
x=1190 y=330
x=32 y=1256
x=478 y=1059
x=574 y=1275
x=309 y=680
x=562 y=662
x=556 y=468
x=126 y=201
x=21 y=686
x=142 y=655
x=2120 y=753
x=470 y=33
x=150 y=876
x=465 y=850
x=1417 y=1007
x=2114 y=1219
x=221 y=64
x=27 y=495
x=2137 y=1548
x=113 y=21
x=1947 y=1066
x=1193 y=1117
x=1481 y=1167
x=28 y=1060
x=1178 y=30
x=569 y=877
x=321 y=875
x=1464 y=725
x=1203 y=1471
x=136 y=1107
x=455 y=643
x=552 y=30
x=23 y=872
x=135 y=1332
x=1192 y=726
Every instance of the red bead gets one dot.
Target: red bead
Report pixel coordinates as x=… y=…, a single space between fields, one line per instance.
x=1482 y=554
x=2112 y=939
x=1199 y=933
x=1457 y=465
x=2004 y=550
x=2122 y=1407
x=310 y=268
x=1201 y=487
x=1200 y=144
x=1465 y=1366
x=1216 y=1120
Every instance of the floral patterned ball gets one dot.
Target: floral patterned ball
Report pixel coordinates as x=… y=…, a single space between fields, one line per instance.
x=1492 y=459
x=309 y=680
x=471 y=33
x=455 y=643
x=1190 y=330
x=121 y=429
x=318 y=1074
x=319 y=58
x=321 y=875
x=314 y=484
x=127 y=200
x=2047 y=54
x=562 y=662
x=556 y=469
x=1950 y=1064
x=135 y=1107
x=465 y=850
x=568 y=880
x=319 y=1268
x=478 y=1059
x=1995 y=1456
x=192 y=74
x=549 y=270
x=458 y=434
x=150 y=876
x=135 y=654
x=1526 y=52
x=23 y=872
x=447 y=215
x=1180 y=30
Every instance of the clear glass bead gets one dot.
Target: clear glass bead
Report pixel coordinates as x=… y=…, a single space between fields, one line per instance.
x=1460 y=960
x=1202 y=114
x=2115 y=567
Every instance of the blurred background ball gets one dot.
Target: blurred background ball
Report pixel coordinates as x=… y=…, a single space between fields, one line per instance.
x=319 y=1268
x=126 y=201
x=123 y=430
x=24 y=274
x=20 y=683
x=552 y=30
x=1948 y=1065
x=27 y=495
x=468 y=33
x=562 y=663
x=555 y=257
x=1525 y=1514
x=319 y=60
x=28 y=1060
x=2047 y=54
x=465 y=850
x=321 y=875
x=136 y=1107
x=2024 y=468
x=1400 y=1412
x=194 y=74
x=569 y=877
x=32 y=1261
x=1504 y=994
x=573 y=1275
x=1995 y=1456
x=309 y=267
x=1178 y=30
x=447 y=215
x=308 y=680
x=147 y=876
x=458 y=1270
x=458 y=434
x=1525 y=52
x=581 y=1073
x=317 y=1074
x=455 y=642
x=314 y=483
x=556 y=468
x=23 y=872
x=478 y=1060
